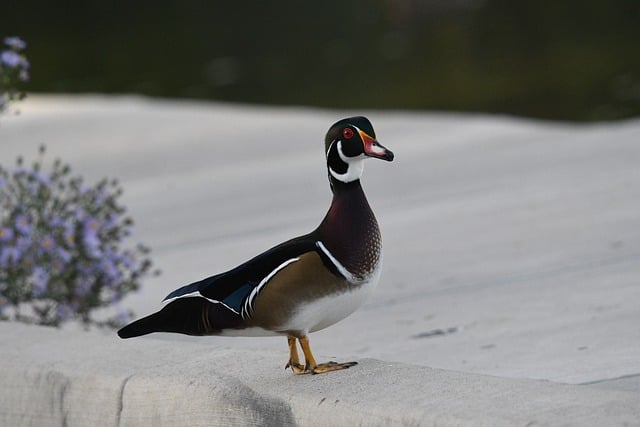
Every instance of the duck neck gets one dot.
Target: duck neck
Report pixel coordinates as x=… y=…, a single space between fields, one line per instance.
x=350 y=230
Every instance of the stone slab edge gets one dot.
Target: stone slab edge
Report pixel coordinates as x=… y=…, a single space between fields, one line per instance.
x=55 y=377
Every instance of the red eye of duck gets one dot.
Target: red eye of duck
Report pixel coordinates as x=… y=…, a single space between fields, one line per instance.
x=347 y=133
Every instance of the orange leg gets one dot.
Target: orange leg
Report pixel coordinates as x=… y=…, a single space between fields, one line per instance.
x=310 y=362
x=294 y=360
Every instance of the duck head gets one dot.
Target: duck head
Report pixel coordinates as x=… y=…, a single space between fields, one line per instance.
x=349 y=142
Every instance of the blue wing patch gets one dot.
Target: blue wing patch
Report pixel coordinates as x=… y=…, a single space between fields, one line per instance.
x=236 y=299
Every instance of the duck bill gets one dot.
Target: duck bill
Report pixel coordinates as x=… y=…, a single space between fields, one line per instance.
x=373 y=148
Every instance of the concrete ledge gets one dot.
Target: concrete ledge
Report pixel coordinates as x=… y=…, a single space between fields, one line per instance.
x=53 y=377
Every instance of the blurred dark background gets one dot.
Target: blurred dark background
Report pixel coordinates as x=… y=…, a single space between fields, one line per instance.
x=562 y=60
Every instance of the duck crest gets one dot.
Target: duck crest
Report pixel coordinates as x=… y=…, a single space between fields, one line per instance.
x=350 y=230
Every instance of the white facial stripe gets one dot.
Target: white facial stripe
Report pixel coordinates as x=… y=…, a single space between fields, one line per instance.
x=345 y=158
x=354 y=171
x=355 y=166
x=330 y=145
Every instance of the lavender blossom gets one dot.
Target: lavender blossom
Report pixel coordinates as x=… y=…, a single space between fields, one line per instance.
x=60 y=246
x=128 y=260
x=9 y=255
x=91 y=236
x=14 y=70
x=6 y=234
x=64 y=312
x=109 y=269
x=83 y=287
x=11 y=58
x=69 y=234
x=15 y=43
x=23 y=243
x=63 y=255
x=48 y=243
x=40 y=281
x=40 y=177
x=23 y=224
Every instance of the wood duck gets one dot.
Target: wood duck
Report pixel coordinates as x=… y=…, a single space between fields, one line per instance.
x=302 y=285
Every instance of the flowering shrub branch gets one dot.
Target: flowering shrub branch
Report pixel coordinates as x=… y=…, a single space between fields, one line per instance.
x=14 y=70
x=60 y=246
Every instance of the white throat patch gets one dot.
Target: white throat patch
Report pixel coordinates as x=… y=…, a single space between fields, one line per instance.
x=355 y=166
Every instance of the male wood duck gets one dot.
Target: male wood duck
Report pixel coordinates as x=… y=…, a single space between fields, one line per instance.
x=302 y=285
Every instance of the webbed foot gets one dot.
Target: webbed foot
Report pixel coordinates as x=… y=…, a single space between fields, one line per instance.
x=331 y=366
x=310 y=366
x=297 y=368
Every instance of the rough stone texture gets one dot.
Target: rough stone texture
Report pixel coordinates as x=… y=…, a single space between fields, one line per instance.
x=55 y=377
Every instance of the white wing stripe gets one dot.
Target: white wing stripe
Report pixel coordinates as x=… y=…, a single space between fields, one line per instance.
x=341 y=268
x=198 y=294
x=247 y=308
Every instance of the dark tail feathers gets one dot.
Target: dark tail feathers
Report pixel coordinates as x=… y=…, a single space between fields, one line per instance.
x=190 y=316
x=143 y=326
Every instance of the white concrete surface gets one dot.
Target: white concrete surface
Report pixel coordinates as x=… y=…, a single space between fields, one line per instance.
x=512 y=247
x=63 y=378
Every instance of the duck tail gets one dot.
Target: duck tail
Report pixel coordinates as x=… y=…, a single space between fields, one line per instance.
x=189 y=316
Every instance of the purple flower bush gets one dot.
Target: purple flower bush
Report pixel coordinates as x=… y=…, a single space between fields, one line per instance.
x=14 y=70
x=61 y=256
